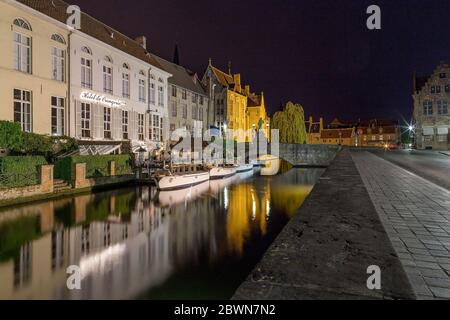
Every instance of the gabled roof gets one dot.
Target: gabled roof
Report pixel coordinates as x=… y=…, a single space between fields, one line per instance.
x=181 y=76
x=224 y=79
x=56 y=9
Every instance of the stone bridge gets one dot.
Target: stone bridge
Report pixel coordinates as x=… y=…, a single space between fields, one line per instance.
x=308 y=155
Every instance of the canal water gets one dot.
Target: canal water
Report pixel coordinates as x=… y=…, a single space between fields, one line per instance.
x=136 y=243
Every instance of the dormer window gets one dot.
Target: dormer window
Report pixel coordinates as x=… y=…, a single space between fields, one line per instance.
x=442 y=75
x=126 y=66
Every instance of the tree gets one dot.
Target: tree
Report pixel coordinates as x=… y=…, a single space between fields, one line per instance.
x=10 y=135
x=291 y=124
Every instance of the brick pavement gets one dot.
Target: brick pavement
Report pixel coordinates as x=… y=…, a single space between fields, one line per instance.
x=416 y=216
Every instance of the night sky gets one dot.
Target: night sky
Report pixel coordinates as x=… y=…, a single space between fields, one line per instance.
x=318 y=53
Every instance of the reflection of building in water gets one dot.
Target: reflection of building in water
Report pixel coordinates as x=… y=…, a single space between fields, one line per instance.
x=120 y=253
x=245 y=210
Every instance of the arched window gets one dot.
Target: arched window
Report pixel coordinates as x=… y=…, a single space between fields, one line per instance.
x=58 y=38
x=86 y=50
x=161 y=80
x=108 y=59
x=126 y=66
x=142 y=73
x=22 y=24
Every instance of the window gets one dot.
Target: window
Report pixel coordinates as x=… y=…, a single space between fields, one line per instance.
x=85 y=120
x=107 y=123
x=156 y=128
x=58 y=64
x=152 y=94
x=140 y=127
x=438 y=89
x=142 y=90
x=125 y=124
x=22 y=52
x=174 y=91
x=58 y=105
x=185 y=111
x=443 y=75
x=201 y=100
x=125 y=85
x=194 y=112
x=433 y=89
x=184 y=94
x=200 y=114
x=447 y=88
x=194 y=98
x=22 y=109
x=86 y=73
x=160 y=96
x=174 y=109
x=22 y=24
x=108 y=76
x=172 y=127
x=107 y=79
x=58 y=38
x=428 y=108
x=442 y=107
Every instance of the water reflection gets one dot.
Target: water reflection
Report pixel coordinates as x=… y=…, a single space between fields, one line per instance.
x=139 y=243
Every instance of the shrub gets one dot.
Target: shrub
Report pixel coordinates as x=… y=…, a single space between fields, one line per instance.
x=96 y=166
x=20 y=171
x=10 y=135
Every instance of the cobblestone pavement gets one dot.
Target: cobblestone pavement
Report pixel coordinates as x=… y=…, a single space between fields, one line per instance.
x=416 y=216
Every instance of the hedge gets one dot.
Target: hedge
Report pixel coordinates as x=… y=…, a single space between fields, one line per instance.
x=96 y=166
x=20 y=171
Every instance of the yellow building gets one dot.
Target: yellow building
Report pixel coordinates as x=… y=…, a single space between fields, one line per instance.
x=33 y=64
x=234 y=106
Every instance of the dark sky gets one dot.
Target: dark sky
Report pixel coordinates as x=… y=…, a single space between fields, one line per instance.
x=318 y=53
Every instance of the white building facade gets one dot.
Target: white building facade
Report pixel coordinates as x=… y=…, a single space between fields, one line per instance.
x=115 y=97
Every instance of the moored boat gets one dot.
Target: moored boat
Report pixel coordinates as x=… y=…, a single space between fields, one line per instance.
x=221 y=172
x=244 y=168
x=179 y=177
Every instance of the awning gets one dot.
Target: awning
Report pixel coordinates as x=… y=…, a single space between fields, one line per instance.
x=442 y=130
x=428 y=131
x=94 y=150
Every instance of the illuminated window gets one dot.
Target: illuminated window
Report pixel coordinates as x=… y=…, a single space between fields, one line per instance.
x=125 y=124
x=22 y=109
x=85 y=120
x=58 y=106
x=107 y=123
x=58 y=64
x=428 y=108
x=22 y=52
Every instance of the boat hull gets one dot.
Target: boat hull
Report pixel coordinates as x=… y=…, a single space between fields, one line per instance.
x=222 y=172
x=175 y=182
x=244 y=168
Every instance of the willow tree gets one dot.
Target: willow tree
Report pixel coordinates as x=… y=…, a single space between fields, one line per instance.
x=291 y=124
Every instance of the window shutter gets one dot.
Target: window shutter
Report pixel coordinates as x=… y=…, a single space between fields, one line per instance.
x=98 y=122
x=147 y=126
x=78 y=119
x=133 y=125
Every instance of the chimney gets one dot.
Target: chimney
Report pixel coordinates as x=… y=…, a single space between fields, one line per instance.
x=142 y=40
x=229 y=67
x=321 y=124
x=247 y=90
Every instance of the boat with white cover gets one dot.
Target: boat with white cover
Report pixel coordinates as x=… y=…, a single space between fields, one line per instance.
x=181 y=176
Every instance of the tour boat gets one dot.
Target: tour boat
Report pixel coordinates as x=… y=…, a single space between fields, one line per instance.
x=223 y=171
x=179 y=177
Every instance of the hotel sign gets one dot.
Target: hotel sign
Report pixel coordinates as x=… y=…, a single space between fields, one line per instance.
x=98 y=98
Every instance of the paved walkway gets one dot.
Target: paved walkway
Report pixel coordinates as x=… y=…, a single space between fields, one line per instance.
x=325 y=250
x=416 y=216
